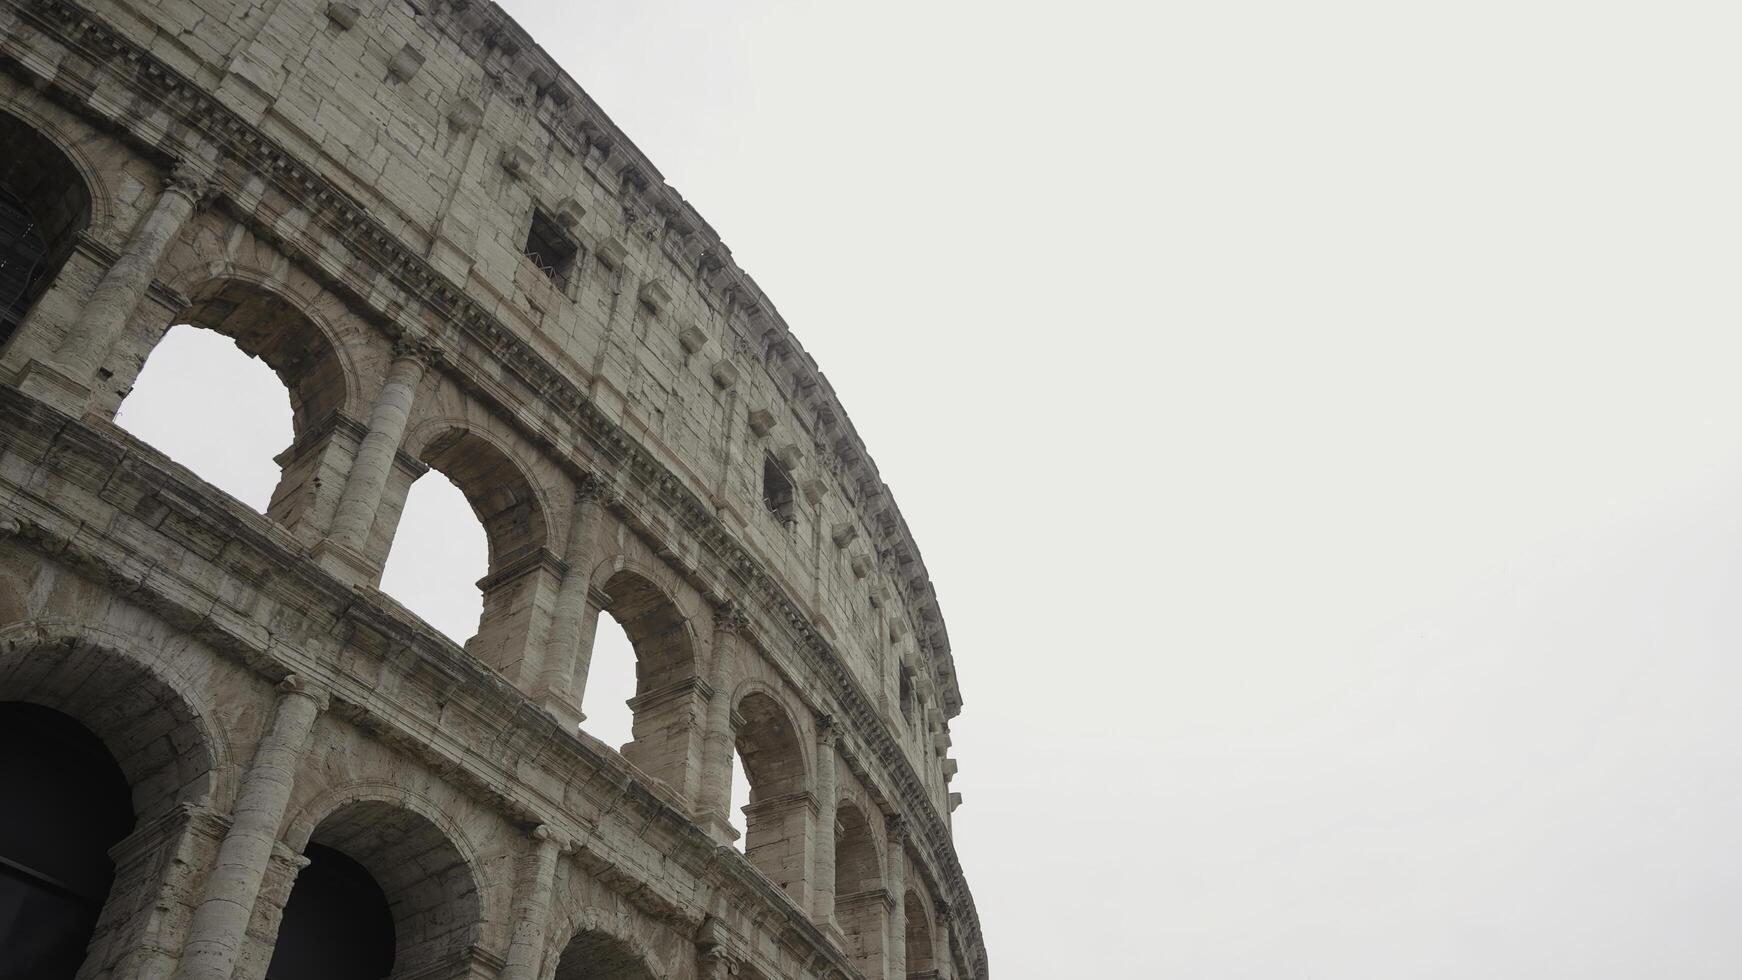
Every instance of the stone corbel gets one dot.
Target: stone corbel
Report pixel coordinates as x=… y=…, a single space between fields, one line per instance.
x=655 y=295
x=405 y=64
x=724 y=373
x=761 y=421
x=343 y=15
x=845 y=534
x=517 y=162
x=692 y=339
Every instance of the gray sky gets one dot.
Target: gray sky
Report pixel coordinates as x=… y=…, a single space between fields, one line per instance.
x=1320 y=422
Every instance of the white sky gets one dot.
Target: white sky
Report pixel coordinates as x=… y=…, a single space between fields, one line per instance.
x=1320 y=422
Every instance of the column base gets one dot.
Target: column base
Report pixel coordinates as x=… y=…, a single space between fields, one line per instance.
x=49 y=383
x=561 y=706
x=718 y=827
x=345 y=563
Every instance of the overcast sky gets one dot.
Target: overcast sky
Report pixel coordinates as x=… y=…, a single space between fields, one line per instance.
x=1321 y=423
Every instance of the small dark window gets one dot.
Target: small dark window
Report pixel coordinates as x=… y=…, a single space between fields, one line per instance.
x=550 y=249
x=777 y=490
x=907 y=698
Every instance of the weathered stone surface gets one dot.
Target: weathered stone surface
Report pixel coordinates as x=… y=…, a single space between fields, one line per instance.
x=349 y=192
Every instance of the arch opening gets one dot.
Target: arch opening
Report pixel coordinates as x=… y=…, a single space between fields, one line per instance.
x=858 y=889
x=44 y=206
x=611 y=685
x=920 y=963
x=663 y=740
x=68 y=804
x=776 y=810
x=593 y=955
x=502 y=502
x=284 y=357
x=407 y=897
x=134 y=749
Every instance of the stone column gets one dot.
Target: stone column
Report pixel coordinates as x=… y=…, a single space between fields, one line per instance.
x=823 y=859
x=895 y=883
x=66 y=380
x=712 y=955
x=550 y=672
x=714 y=803
x=220 y=922
x=532 y=891
x=355 y=514
x=941 y=959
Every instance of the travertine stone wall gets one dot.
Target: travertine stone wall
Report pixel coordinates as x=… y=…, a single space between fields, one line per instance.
x=351 y=192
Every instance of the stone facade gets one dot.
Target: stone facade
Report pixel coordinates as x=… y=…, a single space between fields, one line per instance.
x=454 y=261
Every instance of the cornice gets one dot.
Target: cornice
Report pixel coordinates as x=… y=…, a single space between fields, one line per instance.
x=411 y=282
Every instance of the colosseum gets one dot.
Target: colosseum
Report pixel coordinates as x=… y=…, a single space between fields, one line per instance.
x=229 y=754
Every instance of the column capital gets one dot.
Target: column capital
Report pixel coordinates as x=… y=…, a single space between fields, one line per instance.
x=730 y=617
x=828 y=736
x=418 y=349
x=192 y=180
x=299 y=685
x=895 y=828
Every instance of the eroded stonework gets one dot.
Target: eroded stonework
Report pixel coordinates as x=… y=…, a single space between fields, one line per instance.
x=453 y=261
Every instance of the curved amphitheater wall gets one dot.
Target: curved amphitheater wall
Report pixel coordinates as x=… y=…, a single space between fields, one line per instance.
x=453 y=260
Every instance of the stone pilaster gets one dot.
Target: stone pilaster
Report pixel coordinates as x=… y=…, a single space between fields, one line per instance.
x=355 y=514
x=895 y=881
x=65 y=380
x=823 y=863
x=220 y=923
x=535 y=879
x=552 y=673
x=713 y=808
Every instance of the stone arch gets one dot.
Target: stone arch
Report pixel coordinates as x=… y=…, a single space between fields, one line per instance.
x=521 y=574
x=417 y=856
x=152 y=719
x=859 y=896
x=287 y=334
x=49 y=196
x=13 y=607
x=601 y=945
x=508 y=502
x=170 y=760
x=668 y=702
x=777 y=821
x=597 y=955
x=920 y=952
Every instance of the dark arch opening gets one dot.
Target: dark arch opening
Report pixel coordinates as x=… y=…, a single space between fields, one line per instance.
x=68 y=803
x=597 y=956
x=44 y=205
x=406 y=895
x=336 y=925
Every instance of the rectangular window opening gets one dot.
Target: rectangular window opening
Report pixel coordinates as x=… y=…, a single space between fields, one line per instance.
x=551 y=249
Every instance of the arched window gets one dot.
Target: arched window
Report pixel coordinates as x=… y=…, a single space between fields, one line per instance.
x=859 y=896
x=44 y=205
x=281 y=384
x=664 y=740
x=170 y=407
x=384 y=892
x=67 y=804
x=430 y=560
x=439 y=555
x=610 y=686
x=777 y=814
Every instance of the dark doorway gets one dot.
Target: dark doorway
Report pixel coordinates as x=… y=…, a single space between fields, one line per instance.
x=67 y=804
x=336 y=925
